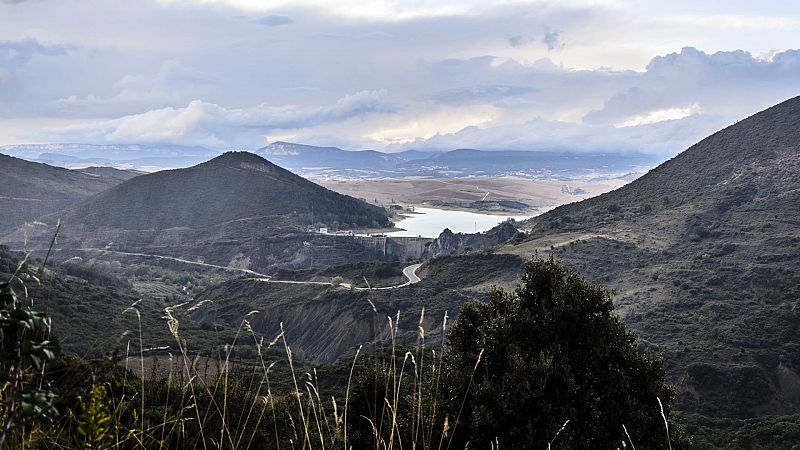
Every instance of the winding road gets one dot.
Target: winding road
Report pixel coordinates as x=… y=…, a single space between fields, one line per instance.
x=410 y=272
x=185 y=261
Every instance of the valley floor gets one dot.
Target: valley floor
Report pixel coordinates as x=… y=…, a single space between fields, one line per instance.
x=499 y=195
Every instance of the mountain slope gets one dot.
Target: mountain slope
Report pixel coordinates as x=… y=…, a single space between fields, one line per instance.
x=704 y=253
x=755 y=159
x=29 y=190
x=236 y=185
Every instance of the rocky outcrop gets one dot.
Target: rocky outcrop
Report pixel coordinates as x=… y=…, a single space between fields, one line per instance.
x=449 y=243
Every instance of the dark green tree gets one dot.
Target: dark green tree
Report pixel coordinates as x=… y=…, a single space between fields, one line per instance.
x=551 y=352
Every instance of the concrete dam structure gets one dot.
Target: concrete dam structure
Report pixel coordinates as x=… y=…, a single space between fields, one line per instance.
x=401 y=248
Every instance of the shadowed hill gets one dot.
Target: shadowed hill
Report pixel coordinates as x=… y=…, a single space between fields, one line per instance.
x=29 y=190
x=704 y=253
x=236 y=185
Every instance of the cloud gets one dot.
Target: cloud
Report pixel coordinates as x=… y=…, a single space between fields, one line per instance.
x=552 y=40
x=171 y=74
x=208 y=124
x=481 y=93
x=15 y=54
x=732 y=84
x=735 y=22
x=509 y=73
x=517 y=40
x=538 y=106
x=274 y=20
x=660 y=115
x=173 y=83
x=524 y=91
x=677 y=100
x=661 y=138
x=375 y=10
x=22 y=51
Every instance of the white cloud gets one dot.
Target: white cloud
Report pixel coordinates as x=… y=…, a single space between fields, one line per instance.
x=208 y=124
x=731 y=84
x=173 y=83
x=735 y=22
x=662 y=138
x=660 y=115
x=382 y=10
x=434 y=73
x=407 y=128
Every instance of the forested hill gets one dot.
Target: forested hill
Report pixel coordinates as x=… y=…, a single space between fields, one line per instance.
x=235 y=185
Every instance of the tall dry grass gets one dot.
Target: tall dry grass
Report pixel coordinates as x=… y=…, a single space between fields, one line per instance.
x=227 y=410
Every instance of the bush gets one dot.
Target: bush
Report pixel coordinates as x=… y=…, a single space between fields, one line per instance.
x=549 y=353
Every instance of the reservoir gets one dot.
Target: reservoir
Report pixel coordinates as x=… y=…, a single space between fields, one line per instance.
x=429 y=222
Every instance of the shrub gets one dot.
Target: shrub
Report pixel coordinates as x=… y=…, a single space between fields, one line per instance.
x=552 y=352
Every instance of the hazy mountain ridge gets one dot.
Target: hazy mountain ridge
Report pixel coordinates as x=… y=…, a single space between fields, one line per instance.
x=134 y=156
x=315 y=162
x=107 y=151
x=332 y=161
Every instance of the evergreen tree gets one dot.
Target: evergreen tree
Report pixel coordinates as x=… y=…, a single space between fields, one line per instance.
x=551 y=352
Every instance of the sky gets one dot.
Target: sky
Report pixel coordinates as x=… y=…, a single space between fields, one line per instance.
x=574 y=75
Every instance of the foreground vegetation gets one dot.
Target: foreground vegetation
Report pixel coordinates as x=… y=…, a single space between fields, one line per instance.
x=577 y=381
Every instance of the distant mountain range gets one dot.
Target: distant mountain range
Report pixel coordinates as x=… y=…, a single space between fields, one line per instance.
x=143 y=157
x=323 y=162
x=316 y=162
